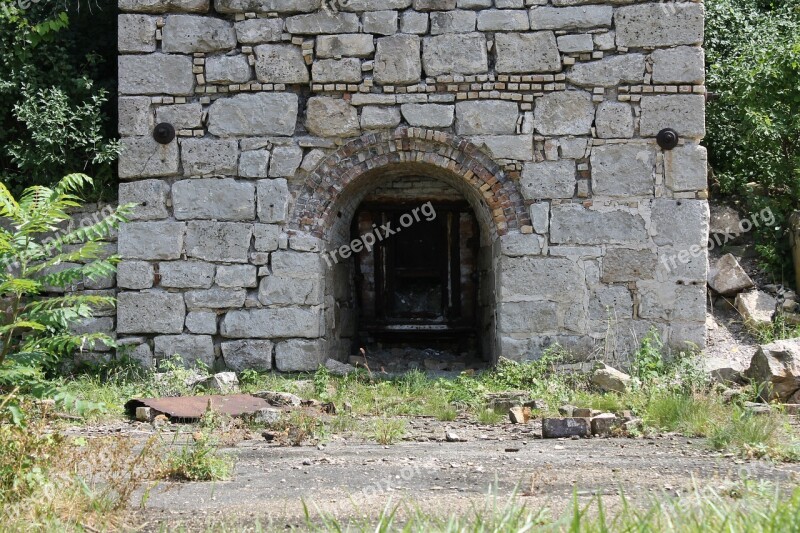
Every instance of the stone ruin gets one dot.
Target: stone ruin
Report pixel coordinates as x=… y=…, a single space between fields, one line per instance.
x=555 y=141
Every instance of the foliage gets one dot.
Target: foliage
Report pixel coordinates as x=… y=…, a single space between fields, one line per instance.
x=57 y=68
x=38 y=261
x=388 y=430
x=753 y=58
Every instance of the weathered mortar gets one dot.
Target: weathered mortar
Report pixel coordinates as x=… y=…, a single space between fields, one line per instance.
x=541 y=113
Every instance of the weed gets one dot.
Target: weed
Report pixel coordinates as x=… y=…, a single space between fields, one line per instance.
x=388 y=430
x=199 y=460
x=489 y=416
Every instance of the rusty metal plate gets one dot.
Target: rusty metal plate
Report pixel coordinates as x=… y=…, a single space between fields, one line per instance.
x=188 y=408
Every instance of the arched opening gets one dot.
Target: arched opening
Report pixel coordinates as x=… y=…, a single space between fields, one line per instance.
x=423 y=296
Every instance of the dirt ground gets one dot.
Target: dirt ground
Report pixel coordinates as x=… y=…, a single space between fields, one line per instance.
x=349 y=478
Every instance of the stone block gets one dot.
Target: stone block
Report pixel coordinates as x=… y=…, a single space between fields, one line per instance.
x=539 y=278
x=756 y=307
x=564 y=113
x=727 y=277
x=380 y=22
x=202 y=322
x=150 y=197
x=136 y=275
x=574 y=224
x=576 y=43
x=434 y=5
x=558 y=428
x=189 y=34
x=571 y=18
x=214 y=199
x=284 y=290
x=181 y=116
x=151 y=240
x=607 y=303
x=280 y=63
x=150 y=312
x=285 y=161
x=379 y=117
x=143 y=157
x=254 y=164
x=267 y=6
x=219 y=241
x=247 y=355
x=273 y=200
x=397 y=60
x=684 y=64
x=572 y=148
x=526 y=52
x=659 y=25
x=548 y=179
x=135 y=349
x=503 y=20
x=322 y=22
x=156 y=74
x=458 y=21
x=622 y=265
x=685 y=113
x=299 y=355
x=623 y=170
x=428 y=115
x=271 y=323
x=215 y=298
x=608 y=72
x=345 y=45
x=540 y=217
x=614 y=120
x=680 y=223
x=519 y=147
x=332 y=117
x=528 y=318
x=186 y=274
x=373 y=5
x=136 y=33
x=686 y=168
x=414 y=23
x=192 y=349
x=347 y=70
x=206 y=156
x=227 y=69
x=253 y=114
x=236 y=276
x=266 y=237
x=135 y=115
x=257 y=31
x=297 y=264
x=463 y=53
x=671 y=301
x=486 y=117
x=164 y=6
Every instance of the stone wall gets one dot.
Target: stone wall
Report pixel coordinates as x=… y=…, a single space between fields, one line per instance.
x=543 y=114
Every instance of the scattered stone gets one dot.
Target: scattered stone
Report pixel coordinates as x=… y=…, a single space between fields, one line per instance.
x=566 y=410
x=337 y=368
x=777 y=367
x=144 y=414
x=582 y=412
x=557 y=428
x=279 y=399
x=451 y=436
x=224 y=382
x=266 y=416
x=503 y=401
x=727 y=277
x=519 y=414
x=610 y=379
x=756 y=307
x=605 y=425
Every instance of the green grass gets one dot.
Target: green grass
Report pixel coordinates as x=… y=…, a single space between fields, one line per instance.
x=748 y=508
x=388 y=430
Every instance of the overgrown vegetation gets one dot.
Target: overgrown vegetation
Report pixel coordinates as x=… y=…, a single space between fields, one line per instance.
x=753 y=58
x=57 y=73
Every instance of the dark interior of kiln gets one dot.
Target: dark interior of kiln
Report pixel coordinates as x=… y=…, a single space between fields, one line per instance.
x=416 y=293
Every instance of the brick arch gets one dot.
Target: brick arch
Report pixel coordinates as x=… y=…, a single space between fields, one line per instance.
x=494 y=195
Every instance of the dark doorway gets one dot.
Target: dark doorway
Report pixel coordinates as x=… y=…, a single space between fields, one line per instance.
x=419 y=286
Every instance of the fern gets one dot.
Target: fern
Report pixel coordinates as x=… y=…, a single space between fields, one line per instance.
x=37 y=259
